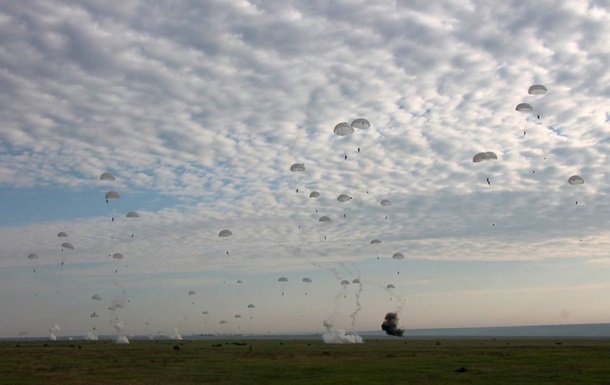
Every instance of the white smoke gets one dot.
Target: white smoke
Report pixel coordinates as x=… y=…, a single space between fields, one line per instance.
x=122 y=340
x=339 y=336
x=54 y=329
x=176 y=335
x=90 y=336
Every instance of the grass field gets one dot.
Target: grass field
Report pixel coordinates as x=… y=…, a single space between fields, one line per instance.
x=300 y=361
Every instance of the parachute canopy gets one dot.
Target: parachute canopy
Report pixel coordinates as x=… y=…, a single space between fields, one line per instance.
x=62 y=234
x=223 y=322
x=314 y=194
x=225 y=233
x=32 y=256
x=117 y=256
x=112 y=195
x=297 y=167
x=282 y=279
x=344 y=282
x=375 y=241
x=390 y=286
x=481 y=156
x=192 y=292
x=205 y=312
x=575 y=180
x=96 y=297
x=237 y=316
x=356 y=280
x=386 y=202
x=343 y=129
x=524 y=107
x=132 y=214
x=324 y=219
x=240 y=281
x=537 y=89
x=343 y=198
x=251 y=306
x=360 y=123
x=398 y=256
x=67 y=245
x=307 y=280
x=107 y=176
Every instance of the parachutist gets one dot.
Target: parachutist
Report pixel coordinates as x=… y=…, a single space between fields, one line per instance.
x=538 y=117
x=488 y=182
x=345 y=157
x=112 y=219
x=106 y=201
x=297 y=191
x=359 y=149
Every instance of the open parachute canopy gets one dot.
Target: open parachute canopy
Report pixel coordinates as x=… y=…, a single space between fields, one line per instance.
x=314 y=194
x=524 y=107
x=96 y=297
x=62 y=234
x=575 y=180
x=112 y=195
x=375 y=241
x=307 y=280
x=32 y=256
x=324 y=219
x=481 y=156
x=251 y=306
x=107 y=176
x=297 y=167
x=282 y=279
x=192 y=292
x=537 y=89
x=356 y=281
x=390 y=286
x=398 y=256
x=343 y=198
x=343 y=129
x=117 y=256
x=360 y=123
x=225 y=233
x=345 y=282
x=132 y=214
x=67 y=245
x=386 y=202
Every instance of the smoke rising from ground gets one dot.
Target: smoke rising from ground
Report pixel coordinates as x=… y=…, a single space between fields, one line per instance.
x=390 y=325
x=339 y=336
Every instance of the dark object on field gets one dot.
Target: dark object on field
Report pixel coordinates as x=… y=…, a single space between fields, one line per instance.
x=176 y=347
x=461 y=370
x=217 y=345
x=240 y=343
x=281 y=343
x=390 y=325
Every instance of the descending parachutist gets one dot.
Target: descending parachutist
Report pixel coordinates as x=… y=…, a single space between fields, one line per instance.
x=577 y=202
x=488 y=182
x=297 y=191
x=538 y=117
x=343 y=215
x=227 y=253
x=524 y=133
x=112 y=219
x=106 y=201
x=345 y=157
x=358 y=149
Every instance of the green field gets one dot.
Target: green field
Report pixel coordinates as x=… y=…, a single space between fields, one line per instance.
x=301 y=361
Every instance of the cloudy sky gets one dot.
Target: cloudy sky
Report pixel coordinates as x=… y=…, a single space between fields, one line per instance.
x=199 y=109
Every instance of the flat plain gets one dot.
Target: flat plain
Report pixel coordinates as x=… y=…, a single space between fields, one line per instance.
x=307 y=361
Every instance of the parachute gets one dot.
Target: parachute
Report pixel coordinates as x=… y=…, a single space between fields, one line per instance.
x=524 y=107
x=324 y=219
x=375 y=241
x=223 y=322
x=356 y=281
x=282 y=279
x=107 y=176
x=360 y=123
x=112 y=195
x=62 y=234
x=537 y=89
x=96 y=297
x=117 y=256
x=132 y=214
x=386 y=203
x=192 y=292
x=345 y=282
x=343 y=198
x=398 y=256
x=67 y=245
x=32 y=256
x=307 y=280
x=297 y=167
x=343 y=129
x=314 y=194
x=575 y=180
x=225 y=233
x=251 y=306
x=481 y=156
x=390 y=286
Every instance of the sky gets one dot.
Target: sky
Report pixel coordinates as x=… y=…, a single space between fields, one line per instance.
x=199 y=110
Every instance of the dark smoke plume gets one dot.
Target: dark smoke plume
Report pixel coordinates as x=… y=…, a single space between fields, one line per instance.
x=390 y=325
